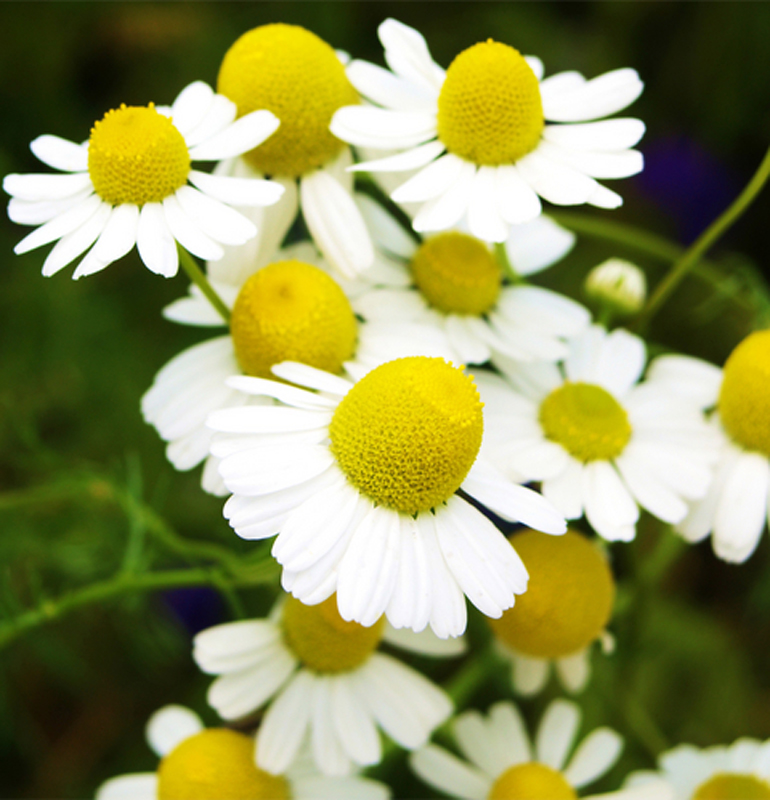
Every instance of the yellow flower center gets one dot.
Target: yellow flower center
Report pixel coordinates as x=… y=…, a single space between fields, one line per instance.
x=744 y=400
x=323 y=641
x=457 y=274
x=137 y=156
x=531 y=781
x=730 y=786
x=292 y=311
x=408 y=432
x=489 y=108
x=217 y=764
x=298 y=77
x=586 y=420
x=568 y=599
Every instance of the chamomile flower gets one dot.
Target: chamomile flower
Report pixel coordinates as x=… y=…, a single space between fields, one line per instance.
x=297 y=76
x=359 y=480
x=478 y=132
x=565 y=609
x=288 y=309
x=735 y=510
x=602 y=443
x=740 y=771
x=454 y=282
x=218 y=764
x=324 y=684
x=501 y=762
x=129 y=184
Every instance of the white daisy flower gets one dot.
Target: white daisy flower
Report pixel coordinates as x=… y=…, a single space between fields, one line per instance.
x=324 y=684
x=359 y=481
x=501 y=761
x=565 y=609
x=602 y=443
x=129 y=184
x=288 y=309
x=300 y=78
x=218 y=764
x=478 y=132
x=740 y=771
x=736 y=508
x=454 y=282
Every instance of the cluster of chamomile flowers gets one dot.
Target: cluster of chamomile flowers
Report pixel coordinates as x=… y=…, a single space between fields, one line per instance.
x=383 y=398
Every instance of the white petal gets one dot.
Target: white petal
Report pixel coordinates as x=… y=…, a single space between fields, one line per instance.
x=602 y=197
x=267 y=419
x=484 y=218
x=430 y=182
x=604 y=136
x=620 y=164
x=138 y=786
x=556 y=733
x=313 y=378
x=217 y=220
x=477 y=742
x=449 y=774
x=60 y=225
x=155 y=243
x=649 y=490
x=574 y=670
x=284 y=725
x=170 y=726
x=425 y=642
x=506 y=724
x=386 y=231
x=117 y=239
x=335 y=223
x=536 y=65
x=529 y=675
x=237 y=191
x=74 y=243
x=328 y=752
x=517 y=201
x=25 y=212
x=220 y=113
x=243 y=135
x=353 y=724
x=447 y=209
x=222 y=648
x=60 y=153
x=407 y=54
x=382 y=129
x=191 y=106
x=609 y=508
x=187 y=233
x=555 y=182
x=599 y=97
x=289 y=395
x=595 y=755
x=386 y=89
x=411 y=601
x=535 y=245
x=36 y=188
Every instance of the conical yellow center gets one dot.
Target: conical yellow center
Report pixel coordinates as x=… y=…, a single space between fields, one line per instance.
x=489 y=108
x=292 y=311
x=298 y=77
x=730 y=786
x=744 y=400
x=531 y=781
x=457 y=274
x=586 y=420
x=408 y=432
x=137 y=156
x=569 y=597
x=323 y=641
x=217 y=764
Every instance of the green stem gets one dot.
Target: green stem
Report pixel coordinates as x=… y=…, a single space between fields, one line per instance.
x=704 y=242
x=501 y=254
x=196 y=275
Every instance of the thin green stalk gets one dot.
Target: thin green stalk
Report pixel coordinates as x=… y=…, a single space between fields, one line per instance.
x=501 y=254
x=196 y=275
x=693 y=253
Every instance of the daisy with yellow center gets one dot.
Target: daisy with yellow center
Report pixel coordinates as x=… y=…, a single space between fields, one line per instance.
x=740 y=771
x=324 y=684
x=360 y=481
x=129 y=184
x=735 y=509
x=289 y=309
x=565 y=609
x=601 y=442
x=199 y=763
x=478 y=133
x=454 y=282
x=501 y=762
x=299 y=77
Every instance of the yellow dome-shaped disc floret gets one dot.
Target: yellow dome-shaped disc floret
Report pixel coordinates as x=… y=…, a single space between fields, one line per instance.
x=291 y=72
x=731 y=786
x=489 y=108
x=323 y=641
x=292 y=311
x=217 y=764
x=408 y=432
x=136 y=156
x=531 y=781
x=744 y=400
x=586 y=420
x=569 y=597
x=457 y=273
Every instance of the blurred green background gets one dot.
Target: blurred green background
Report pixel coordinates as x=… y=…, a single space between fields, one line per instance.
x=693 y=654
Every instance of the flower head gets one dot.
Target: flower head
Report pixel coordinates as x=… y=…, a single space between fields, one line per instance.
x=479 y=136
x=129 y=185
